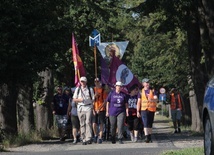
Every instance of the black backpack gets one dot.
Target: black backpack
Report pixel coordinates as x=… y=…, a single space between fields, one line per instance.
x=89 y=89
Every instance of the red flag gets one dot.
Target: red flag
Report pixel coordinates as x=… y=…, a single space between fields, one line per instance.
x=120 y=72
x=78 y=64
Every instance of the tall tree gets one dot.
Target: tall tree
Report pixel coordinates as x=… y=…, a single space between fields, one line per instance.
x=30 y=38
x=25 y=109
x=44 y=117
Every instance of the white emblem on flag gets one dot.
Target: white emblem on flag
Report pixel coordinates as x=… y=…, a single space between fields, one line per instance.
x=124 y=74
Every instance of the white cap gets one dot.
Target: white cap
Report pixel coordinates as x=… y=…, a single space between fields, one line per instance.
x=96 y=79
x=118 y=83
x=83 y=78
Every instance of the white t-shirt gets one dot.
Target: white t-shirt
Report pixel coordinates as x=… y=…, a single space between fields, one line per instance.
x=84 y=93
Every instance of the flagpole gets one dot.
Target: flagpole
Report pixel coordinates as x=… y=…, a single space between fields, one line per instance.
x=95 y=41
x=95 y=61
x=78 y=75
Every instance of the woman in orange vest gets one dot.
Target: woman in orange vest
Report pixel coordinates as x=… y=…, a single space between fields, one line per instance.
x=146 y=107
x=176 y=107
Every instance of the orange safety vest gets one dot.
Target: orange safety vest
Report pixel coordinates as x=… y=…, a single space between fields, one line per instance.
x=145 y=104
x=173 y=103
x=99 y=101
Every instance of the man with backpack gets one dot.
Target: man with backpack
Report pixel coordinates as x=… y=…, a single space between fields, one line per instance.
x=84 y=97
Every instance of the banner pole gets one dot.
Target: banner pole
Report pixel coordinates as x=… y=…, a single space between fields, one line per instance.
x=95 y=60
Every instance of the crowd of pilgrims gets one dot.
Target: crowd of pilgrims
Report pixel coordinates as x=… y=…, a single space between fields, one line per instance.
x=100 y=113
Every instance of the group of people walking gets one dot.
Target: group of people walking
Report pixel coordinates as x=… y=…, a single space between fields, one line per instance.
x=89 y=107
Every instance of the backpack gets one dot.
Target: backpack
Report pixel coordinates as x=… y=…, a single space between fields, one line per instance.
x=89 y=89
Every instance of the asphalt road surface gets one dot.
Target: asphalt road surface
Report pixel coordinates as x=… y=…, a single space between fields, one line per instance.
x=163 y=139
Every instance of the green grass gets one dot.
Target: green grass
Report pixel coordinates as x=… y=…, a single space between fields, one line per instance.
x=24 y=139
x=21 y=139
x=188 y=151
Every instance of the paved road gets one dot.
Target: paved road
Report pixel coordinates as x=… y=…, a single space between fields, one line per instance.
x=163 y=139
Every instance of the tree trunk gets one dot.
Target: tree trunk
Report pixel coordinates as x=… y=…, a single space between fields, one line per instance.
x=206 y=11
x=44 y=117
x=8 y=120
x=197 y=69
x=196 y=122
x=25 y=108
x=186 y=111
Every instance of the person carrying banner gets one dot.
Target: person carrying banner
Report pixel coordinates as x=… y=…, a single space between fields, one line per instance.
x=99 y=110
x=146 y=107
x=117 y=110
x=84 y=96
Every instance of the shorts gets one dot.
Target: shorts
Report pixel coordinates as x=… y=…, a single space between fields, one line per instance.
x=99 y=118
x=176 y=115
x=133 y=123
x=75 y=122
x=147 y=118
x=61 y=121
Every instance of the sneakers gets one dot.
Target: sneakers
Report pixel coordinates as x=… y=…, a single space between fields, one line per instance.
x=75 y=141
x=100 y=141
x=120 y=141
x=89 y=142
x=135 y=139
x=84 y=143
x=148 y=139
x=95 y=139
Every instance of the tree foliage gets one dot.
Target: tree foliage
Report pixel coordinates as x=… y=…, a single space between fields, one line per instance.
x=169 y=41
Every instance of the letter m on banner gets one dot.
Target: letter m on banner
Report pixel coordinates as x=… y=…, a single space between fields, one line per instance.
x=95 y=39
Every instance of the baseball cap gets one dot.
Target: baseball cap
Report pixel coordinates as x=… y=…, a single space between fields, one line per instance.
x=96 y=79
x=118 y=83
x=145 y=80
x=83 y=78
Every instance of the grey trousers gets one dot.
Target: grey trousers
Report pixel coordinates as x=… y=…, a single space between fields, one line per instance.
x=85 y=125
x=117 y=122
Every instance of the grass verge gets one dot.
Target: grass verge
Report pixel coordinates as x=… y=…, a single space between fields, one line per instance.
x=24 y=139
x=188 y=151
